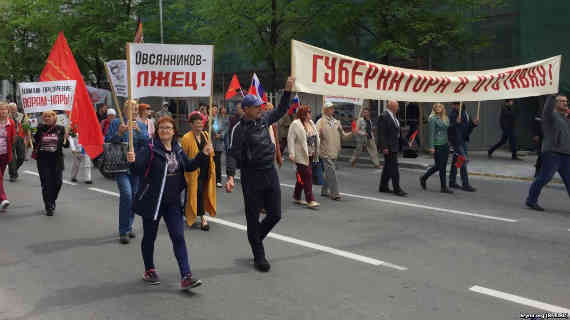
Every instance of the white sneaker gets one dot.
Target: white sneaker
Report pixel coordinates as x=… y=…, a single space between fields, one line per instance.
x=301 y=202
x=4 y=204
x=219 y=184
x=313 y=204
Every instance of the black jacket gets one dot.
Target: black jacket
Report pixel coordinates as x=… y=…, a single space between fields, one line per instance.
x=60 y=131
x=459 y=133
x=507 y=118
x=389 y=135
x=147 y=198
x=250 y=144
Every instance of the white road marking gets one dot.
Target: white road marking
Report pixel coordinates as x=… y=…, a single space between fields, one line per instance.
x=520 y=300
x=37 y=174
x=421 y=206
x=302 y=243
x=111 y=193
x=418 y=206
x=315 y=246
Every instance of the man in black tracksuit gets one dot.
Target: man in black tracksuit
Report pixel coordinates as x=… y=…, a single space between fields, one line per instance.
x=507 y=122
x=251 y=150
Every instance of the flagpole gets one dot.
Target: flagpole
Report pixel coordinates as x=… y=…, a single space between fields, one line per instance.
x=130 y=102
x=115 y=99
x=211 y=99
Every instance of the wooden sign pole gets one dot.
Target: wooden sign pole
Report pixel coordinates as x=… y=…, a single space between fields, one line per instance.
x=478 y=109
x=130 y=102
x=211 y=99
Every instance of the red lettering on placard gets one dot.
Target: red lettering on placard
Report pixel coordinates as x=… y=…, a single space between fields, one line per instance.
x=480 y=83
x=514 y=79
x=159 y=79
x=408 y=82
x=343 y=72
x=489 y=82
x=550 y=72
x=421 y=80
x=370 y=74
x=316 y=59
x=532 y=77
x=443 y=85
x=396 y=80
x=510 y=73
x=463 y=81
x=384 y=75
x=432 y=82
x=142 y=75
x=356 y=73
x=190 y=83
x=523 y=79
x=177 y=79
x=330 y=64
x=542 y=73
x=496 y=84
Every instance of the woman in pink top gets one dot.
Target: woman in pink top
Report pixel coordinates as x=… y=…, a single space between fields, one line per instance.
x=7 y=136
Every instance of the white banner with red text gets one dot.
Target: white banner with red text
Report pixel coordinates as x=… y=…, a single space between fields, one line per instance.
x=47 y=95
x=167 y=70
x=324 y=72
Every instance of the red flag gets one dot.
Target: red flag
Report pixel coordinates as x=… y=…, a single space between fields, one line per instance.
x=234 y=87
x=460 y=160
x=413 y=137
x=61 y=65
x=139 y=33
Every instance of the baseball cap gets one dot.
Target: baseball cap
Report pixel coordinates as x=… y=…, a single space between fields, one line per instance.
x=111 y=111
x=251 y=101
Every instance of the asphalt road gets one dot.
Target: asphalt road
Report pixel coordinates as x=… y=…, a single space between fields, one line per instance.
x=369 y=256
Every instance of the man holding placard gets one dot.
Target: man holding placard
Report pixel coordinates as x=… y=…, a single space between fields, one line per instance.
x=460 y=128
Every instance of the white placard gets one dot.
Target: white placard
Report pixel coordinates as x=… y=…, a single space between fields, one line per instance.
x=118 y=74
x=166 y=70
x=323 y=72
x=47 y=95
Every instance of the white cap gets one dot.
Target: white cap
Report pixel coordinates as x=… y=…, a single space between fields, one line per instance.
x=111 y=111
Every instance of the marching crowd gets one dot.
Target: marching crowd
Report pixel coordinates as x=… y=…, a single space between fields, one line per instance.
x=161 y=167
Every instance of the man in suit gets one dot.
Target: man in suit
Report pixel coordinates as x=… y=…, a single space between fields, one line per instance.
x=460 y=128
x=507 y=122
x=390 y=141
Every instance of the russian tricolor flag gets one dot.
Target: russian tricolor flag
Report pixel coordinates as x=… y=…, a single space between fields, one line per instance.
x=294 y=105
x=257 y=89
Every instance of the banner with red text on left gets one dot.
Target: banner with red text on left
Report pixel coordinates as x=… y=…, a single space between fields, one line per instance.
x=167 y=70
x=47 y=95
x=323 y=72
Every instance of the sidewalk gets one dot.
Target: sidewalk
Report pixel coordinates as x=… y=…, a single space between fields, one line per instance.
x=500 y=166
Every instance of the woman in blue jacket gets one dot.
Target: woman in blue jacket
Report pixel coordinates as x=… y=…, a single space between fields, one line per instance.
x=161 y=165
x=127 y=182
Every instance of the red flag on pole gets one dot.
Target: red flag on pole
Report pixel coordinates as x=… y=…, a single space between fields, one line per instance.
x=61 y=65
x=139 y=33
x=234 y=87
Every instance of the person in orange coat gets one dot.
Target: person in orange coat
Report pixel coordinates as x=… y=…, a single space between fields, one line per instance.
x=201 y=184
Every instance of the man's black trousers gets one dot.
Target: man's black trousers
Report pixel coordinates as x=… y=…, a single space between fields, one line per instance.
x=261 y=190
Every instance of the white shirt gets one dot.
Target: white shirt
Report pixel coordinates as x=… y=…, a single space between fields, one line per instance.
x=393 y=118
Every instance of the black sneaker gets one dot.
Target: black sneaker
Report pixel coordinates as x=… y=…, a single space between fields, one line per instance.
x=49 y=212
x=468 y=188
x=88 y=182
x=151 y=277
x=124 y=239
x=423 y=182
x=534 y=206
x=261 y=265
x=454 y=185
x=131 y=235
x=73 y=180
x=188 y=283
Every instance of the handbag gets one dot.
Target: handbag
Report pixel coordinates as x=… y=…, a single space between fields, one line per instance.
x=115 y=158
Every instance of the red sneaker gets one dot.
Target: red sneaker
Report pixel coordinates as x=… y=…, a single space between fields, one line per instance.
x=189 y=283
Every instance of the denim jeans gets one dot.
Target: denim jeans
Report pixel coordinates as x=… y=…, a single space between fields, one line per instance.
x=171 y=214
x=460 y=149
x=551 y=162
x=128 y=185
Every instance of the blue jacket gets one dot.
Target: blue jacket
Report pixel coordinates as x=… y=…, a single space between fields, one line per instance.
x=140 y=137
x=153 y=175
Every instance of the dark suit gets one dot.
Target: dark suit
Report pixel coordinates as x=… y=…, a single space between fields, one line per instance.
x=390 y=137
